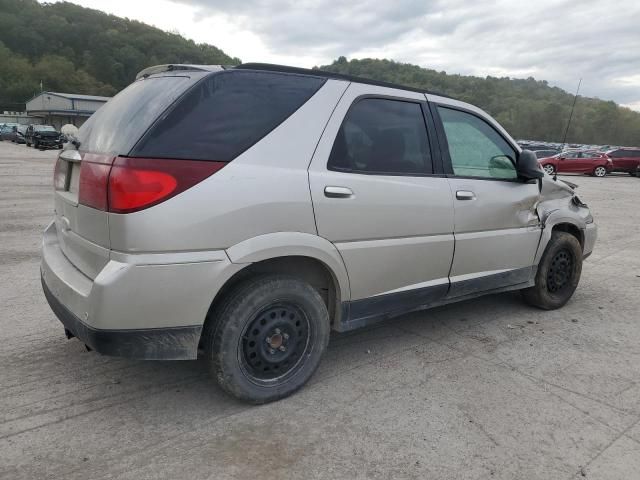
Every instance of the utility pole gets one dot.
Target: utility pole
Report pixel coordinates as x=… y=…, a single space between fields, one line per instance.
x=564 y=139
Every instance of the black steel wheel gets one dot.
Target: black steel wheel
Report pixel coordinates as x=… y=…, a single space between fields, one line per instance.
x=274 y=343
x=558 y=272
x=265 y=338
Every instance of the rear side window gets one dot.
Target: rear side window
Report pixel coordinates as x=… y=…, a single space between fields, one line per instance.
x=119 y=124
x=383 y=137
x=226 y=114
x=618 y=154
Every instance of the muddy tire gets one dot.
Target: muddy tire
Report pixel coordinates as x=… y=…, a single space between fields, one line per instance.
x=558 y=273
x=266 y=338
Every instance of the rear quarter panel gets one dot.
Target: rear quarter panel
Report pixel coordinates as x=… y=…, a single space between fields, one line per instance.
x=264 y=190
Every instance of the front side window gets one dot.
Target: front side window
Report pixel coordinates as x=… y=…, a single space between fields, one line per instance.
x=381 y=136
x=475 y=148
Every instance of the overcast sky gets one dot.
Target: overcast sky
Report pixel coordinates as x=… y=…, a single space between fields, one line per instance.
x=554 y=40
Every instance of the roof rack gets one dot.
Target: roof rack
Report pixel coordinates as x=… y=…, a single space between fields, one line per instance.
x=325 y=74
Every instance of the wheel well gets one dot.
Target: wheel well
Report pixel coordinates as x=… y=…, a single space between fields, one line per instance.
x=311 y=270
x=571 y=229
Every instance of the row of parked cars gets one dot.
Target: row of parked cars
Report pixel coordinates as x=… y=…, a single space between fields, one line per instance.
x=586 y=159
x=38 y=136
x=594 y=163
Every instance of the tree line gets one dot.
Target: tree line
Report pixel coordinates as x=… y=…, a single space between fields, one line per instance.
x=527 y=108
x=79 y=50
x=68 y=48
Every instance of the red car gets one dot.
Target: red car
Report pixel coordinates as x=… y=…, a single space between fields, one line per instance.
x=625 y=159
x=593 y=163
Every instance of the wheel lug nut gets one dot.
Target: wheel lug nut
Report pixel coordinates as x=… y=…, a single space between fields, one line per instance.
x=282 y=348
x=268 y=339
x=272 y=351
x=285 y=336
x=277 y=331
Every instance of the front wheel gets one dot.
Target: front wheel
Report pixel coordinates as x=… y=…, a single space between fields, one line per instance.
x=267 y=337
x=600 y=172
x=558 y=273
x=549 y=169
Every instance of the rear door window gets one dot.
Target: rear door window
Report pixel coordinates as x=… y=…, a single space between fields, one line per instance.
x=382 y=136
x=226 y=114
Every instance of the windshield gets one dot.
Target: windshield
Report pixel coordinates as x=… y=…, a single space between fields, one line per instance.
x=44 y=128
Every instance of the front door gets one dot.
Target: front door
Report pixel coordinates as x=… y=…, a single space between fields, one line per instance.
x=376 y=197
x=497 y=229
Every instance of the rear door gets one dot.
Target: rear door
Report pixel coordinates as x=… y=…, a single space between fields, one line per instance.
x=379 y=199
x=497 y=229
x=82 y=226
x=622 y=160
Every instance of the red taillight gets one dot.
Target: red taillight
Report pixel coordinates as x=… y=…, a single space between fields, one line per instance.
x=131 y=184
x=94 y=175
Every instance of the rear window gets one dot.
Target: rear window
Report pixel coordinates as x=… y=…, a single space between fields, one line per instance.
x=226 y=114
x=119 y=124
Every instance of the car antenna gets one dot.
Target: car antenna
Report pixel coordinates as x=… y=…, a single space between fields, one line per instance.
x=566 y=131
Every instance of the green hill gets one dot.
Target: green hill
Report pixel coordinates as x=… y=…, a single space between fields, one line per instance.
x=526 y=108
x=74 y=49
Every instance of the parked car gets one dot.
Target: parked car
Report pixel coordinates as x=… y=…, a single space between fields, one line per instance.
x=625 y=159
x=6 y=131
x=18 y=133
x=248 y=211
x=43 y=136
x=593 y=163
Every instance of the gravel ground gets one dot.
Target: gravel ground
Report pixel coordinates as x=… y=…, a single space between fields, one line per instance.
x=488 y=388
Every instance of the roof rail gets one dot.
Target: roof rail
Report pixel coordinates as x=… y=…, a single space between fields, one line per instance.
x=326 y=74
x=174 y=67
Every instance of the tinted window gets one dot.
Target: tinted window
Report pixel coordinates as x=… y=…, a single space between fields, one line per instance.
x=120 y=123
x=475 y=148
x=44 y=128
x=382 y=136
x=226 y=114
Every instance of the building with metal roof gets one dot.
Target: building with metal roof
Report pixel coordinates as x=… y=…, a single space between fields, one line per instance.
x=58 y=109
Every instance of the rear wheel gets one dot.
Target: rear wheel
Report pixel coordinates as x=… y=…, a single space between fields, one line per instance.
x=549 y=169
x=600 y=171
x=266 y=338
x=558 y=273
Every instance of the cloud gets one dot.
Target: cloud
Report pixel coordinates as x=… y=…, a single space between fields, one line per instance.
x=559 y=41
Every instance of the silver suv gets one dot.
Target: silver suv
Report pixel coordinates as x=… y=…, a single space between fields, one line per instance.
x=246 y=212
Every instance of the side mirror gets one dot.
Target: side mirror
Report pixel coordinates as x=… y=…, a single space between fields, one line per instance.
x=528 y=166
x=501 y=166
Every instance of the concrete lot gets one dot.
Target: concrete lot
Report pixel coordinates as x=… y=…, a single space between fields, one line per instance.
x=484 y=389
